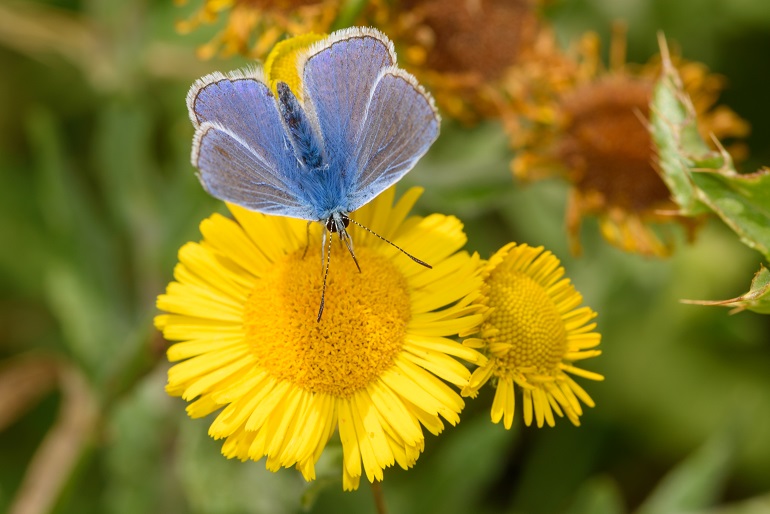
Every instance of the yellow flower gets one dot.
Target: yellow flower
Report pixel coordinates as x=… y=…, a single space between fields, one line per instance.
x=281 y=62
x=243 y=309
x=533 y=333
x=591 y=128
x=252 y=27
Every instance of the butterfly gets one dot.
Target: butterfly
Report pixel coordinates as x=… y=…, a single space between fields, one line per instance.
x=359 y=125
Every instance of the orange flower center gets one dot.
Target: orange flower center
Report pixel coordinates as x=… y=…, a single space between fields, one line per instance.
x=362 y=328
x=527 y=319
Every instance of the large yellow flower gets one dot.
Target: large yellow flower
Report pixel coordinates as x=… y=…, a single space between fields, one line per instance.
x=243 y=309
x=532 y=335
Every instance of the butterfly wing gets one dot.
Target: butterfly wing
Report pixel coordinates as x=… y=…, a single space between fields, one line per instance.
x=400 y=125
x=338 y=74
x=232 y=171
x=375 y=120
x=240 y=145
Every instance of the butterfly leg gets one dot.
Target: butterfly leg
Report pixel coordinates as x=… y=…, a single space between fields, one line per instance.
x=326 y=272
x=307 y=241
x=344 y=236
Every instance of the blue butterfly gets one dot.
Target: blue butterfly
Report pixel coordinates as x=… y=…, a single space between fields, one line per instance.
x=362 y=124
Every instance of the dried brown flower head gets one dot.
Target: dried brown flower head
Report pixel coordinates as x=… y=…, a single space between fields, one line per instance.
x=594 y=132
x=461 y=49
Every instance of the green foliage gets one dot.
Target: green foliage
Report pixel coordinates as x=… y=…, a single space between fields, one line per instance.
x=97 y=195
x=757 y=299
x=742 y=201
x=598 y=496
x=694 y=484
x=703 y=180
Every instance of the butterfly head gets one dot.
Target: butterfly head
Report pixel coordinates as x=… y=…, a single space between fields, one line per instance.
x=337 y=222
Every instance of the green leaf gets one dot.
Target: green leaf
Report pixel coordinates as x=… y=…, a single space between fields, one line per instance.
x=466 y=463
x=694 y=484
x=701 y=179
x=81 y=313
x=675 y=133
x=214 y=484
x=140 y=475
x=742 y=201
x=757 y=299
x=756 y=505
x=598 y=496
x=23 y=231
x=82 y=275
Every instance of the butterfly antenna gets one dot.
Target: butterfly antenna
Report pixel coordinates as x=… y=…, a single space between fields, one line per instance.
x=326 y=273
x=348 y=242
x=415 y=259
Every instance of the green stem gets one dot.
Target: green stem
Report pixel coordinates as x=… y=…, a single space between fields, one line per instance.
x=379 y=498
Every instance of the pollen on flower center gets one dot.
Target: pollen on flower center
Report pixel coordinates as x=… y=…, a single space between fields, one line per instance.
x=527 y=319
x=362 y=328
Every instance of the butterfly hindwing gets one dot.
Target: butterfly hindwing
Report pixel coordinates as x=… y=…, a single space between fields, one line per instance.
x=230 y=170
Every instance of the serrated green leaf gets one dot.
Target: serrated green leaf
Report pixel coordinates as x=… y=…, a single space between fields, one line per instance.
x=743 y=203
x=675 y=133
x=757 y=299
x=701 y=179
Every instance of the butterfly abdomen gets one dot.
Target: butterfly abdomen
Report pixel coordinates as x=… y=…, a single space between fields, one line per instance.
x=307 y=146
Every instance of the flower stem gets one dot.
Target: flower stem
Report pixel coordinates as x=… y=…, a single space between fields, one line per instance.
x=379 y=498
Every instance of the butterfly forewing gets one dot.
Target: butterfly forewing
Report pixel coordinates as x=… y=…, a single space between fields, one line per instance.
x=230 y=170
x=400 y=125
x=338 y=75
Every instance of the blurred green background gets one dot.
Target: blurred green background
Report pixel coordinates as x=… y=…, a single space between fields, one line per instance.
x=97 y=194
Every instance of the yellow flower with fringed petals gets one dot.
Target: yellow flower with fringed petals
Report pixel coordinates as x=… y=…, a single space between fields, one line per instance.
x=252 y=27
x=533 y=333
x=243 y=309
